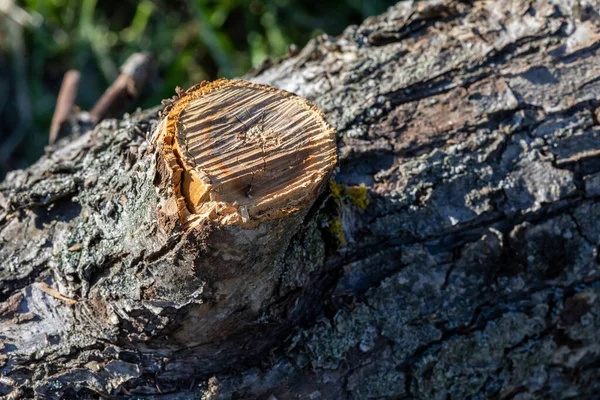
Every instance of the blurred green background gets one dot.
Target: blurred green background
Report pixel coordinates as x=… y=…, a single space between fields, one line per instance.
x=191 y=40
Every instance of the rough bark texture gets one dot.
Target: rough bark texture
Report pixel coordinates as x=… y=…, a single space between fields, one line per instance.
x=457 y=256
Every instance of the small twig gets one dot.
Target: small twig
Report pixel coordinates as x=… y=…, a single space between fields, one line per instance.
x=64 y=104
x=44 y=287
x=135 y=74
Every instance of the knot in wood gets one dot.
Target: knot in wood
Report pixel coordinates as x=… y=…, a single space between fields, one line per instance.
x=240 y=152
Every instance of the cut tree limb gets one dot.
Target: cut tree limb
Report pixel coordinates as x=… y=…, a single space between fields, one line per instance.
x=239 y=165
x=455 y=255
x=238 y=153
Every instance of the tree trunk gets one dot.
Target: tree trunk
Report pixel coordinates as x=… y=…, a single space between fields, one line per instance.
x=454 y=255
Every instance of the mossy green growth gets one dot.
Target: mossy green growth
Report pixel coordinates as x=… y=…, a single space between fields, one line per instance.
x=359 y=195
x=335 y=221
x=336 y=230
x=336 y=191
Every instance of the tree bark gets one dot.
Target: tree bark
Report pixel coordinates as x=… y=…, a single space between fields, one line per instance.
x=454 y=255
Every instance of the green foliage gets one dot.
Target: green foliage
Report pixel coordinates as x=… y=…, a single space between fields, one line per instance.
x=192 y=40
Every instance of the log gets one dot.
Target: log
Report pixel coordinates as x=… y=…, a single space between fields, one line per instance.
x=453 y=255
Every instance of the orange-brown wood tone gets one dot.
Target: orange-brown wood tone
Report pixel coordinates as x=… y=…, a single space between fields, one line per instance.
x=242 y=152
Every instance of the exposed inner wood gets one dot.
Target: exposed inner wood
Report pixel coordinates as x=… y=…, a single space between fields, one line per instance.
x=242 y=151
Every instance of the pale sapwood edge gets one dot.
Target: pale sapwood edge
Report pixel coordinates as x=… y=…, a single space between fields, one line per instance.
x=457 y=256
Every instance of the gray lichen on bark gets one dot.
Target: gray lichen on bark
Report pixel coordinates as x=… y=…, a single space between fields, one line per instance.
x=467 y=269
